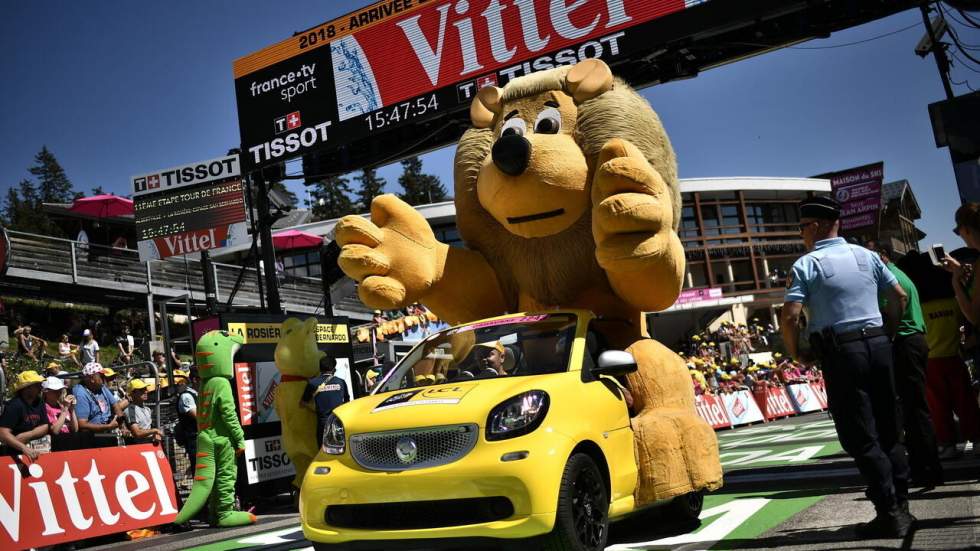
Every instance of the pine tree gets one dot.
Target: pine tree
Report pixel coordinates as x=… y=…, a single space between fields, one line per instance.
x=53 y=185
x=371 y=185
x=331 y=198
x=22 y=210
x=419 y=188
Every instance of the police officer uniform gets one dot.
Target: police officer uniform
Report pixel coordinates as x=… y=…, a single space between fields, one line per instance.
x=839 y=284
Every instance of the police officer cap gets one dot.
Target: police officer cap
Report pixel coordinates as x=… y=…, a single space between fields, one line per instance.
x=823 y=208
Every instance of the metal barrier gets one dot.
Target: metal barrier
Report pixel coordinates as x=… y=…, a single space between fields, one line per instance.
x=50 y=259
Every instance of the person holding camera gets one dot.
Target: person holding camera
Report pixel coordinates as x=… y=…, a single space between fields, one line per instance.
x=98 y=409
x=840 y=283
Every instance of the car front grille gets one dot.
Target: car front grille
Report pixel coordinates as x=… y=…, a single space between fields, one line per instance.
x=433 y=446
x=417 y=515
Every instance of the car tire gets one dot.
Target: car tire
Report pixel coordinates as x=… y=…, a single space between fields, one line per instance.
x=686 y=507
x=582 y=518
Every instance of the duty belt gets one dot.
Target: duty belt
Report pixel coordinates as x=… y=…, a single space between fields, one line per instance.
x=866 y=333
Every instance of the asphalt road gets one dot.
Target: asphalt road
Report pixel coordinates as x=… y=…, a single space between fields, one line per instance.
x=788 y=485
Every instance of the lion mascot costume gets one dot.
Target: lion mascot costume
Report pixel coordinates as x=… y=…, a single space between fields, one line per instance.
x=567 y=197
x=298 y=360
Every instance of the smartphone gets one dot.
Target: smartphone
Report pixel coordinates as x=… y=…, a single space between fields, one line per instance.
x=937 y=253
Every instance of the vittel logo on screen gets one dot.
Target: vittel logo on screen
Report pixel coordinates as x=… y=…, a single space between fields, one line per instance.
x=456 y=21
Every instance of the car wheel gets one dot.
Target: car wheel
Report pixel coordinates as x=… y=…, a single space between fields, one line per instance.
x=582 y=519
x=686 y=507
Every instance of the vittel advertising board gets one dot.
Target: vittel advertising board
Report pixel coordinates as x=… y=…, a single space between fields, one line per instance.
x=400 y=62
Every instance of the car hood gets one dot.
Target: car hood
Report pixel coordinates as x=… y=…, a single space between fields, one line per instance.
x=427 y=406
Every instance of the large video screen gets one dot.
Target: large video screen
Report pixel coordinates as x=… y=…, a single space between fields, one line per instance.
x=400 y=62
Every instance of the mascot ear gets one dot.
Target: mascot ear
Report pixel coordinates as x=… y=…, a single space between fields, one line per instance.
x=587 y=79
x=310 y=325
x=485 y=106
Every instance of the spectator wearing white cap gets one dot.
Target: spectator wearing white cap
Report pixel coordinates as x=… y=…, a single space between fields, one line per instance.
x=23 y=419
x=59 y=407
x=98 y=410
x=89 y=348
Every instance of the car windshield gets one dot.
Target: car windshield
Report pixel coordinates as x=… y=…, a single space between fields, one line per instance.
x=512 y=347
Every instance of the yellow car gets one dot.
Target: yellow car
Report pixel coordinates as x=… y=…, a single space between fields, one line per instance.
x=490 y=433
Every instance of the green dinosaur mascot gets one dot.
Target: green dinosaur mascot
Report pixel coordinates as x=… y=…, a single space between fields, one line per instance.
x=219 y=435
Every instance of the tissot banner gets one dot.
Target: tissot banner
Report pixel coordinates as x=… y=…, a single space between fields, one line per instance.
x=190 y=208
x=74 y=495
x=403 y=61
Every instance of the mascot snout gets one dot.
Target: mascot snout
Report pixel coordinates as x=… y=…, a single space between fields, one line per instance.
x=511 y=154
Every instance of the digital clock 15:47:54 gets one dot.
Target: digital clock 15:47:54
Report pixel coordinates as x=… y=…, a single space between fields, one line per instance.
x=402 y=112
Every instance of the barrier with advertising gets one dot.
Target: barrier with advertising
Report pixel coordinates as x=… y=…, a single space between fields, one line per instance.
x=803 y=398
x=741 y=408
x=777 y=403
x=74 y=495
x=820 y=391
x=712 y=410
x=396 y=63
x=190 y=208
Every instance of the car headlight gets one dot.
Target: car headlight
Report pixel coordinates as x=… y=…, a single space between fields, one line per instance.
x=334 y=438
x=518 y=415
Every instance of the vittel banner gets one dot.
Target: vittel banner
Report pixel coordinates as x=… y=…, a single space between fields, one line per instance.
x=402 y=61
x=69 y=496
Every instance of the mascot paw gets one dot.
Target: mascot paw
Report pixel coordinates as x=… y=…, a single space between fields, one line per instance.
x=630 y=206
x=395 y=256
x=632 y=223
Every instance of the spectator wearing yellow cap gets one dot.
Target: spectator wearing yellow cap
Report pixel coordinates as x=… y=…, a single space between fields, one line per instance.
x=139 y=417
x=24 y=419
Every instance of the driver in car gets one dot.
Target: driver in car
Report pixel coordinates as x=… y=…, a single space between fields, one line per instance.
x=490 y=358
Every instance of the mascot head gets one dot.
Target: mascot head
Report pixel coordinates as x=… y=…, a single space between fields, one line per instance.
x=297 y=352
x=524 y=171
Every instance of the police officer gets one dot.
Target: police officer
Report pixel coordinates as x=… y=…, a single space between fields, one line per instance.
x=324 y=393
x=840 y=283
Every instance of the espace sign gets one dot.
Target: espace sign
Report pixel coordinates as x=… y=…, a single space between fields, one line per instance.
x=399 y=62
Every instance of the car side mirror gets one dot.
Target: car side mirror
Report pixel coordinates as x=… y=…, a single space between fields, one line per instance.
x=615 y=363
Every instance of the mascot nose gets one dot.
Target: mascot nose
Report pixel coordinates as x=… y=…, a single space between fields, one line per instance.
x=511 y=154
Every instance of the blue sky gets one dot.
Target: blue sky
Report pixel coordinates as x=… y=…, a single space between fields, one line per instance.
x=121 y=88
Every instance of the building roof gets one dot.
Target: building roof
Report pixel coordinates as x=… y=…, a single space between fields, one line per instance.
x=753 y=185
x=900 y=190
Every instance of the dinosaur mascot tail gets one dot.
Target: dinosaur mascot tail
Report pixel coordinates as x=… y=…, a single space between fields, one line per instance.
x=219 y=435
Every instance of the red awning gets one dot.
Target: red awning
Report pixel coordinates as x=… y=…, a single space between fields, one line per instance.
x=103 y=206
x=295 y=239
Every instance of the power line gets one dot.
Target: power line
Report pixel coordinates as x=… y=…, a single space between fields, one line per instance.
x=963 y=63
x=903 y=29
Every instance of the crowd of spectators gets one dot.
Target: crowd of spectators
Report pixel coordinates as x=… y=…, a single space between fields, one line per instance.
x=725 y=360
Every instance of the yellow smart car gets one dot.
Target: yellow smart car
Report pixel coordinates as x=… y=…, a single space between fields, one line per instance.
x=490 y=433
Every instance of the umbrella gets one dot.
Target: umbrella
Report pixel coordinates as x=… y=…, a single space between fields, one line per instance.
x=295 y=239
x=103 y=206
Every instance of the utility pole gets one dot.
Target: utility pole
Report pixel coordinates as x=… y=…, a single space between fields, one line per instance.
x=265 y=239
x=210 y=294
x=942 y=62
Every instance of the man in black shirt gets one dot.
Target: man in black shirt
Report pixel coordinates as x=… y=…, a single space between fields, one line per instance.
x=24 y=418
x=324 y=393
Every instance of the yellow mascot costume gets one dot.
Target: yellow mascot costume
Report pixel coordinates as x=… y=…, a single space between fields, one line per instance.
x=298 y=360
x=566 y=196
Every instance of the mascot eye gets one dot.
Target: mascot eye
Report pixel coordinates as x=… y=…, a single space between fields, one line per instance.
x=549 y=121
x=514 y=126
